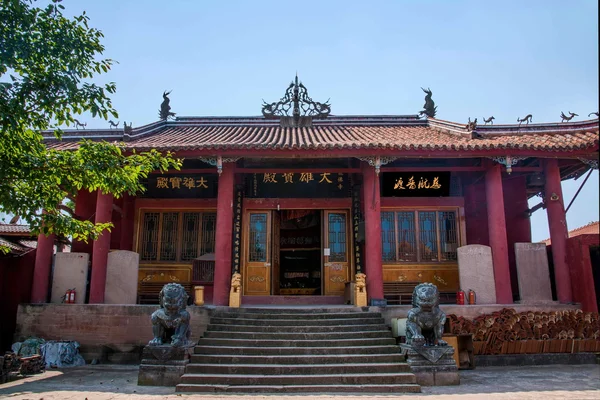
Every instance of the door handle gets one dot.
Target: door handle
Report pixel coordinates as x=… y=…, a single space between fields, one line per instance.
x=267 y=264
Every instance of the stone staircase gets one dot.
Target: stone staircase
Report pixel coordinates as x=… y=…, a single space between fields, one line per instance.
x=328 y=350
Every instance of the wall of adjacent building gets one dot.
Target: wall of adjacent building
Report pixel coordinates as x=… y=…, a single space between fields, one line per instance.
x=16 y=274
x=580 y=266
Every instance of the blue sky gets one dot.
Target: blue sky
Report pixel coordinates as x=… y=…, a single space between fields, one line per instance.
x=480 y=58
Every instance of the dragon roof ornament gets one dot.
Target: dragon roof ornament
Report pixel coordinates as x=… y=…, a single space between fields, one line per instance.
x=296 y=108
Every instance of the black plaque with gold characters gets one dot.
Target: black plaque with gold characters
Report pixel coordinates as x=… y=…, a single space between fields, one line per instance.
x=178 y=186
x=298 y=185
x=415 y=184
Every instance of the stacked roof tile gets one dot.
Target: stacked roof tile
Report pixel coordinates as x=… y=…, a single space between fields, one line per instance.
x=373 y=132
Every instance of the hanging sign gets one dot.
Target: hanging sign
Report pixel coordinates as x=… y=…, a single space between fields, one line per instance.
x=181 y=186
x=415 y=184
x=297 y=184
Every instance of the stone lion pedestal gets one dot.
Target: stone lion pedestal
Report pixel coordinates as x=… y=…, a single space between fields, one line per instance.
x=427 y=354
x=163 y=365
x=165 y=357
x=433 y=366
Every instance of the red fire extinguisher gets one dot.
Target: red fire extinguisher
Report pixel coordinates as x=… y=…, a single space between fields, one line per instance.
x=72 y=296
x=67 y=296
x=460 y=297
x=471 y=296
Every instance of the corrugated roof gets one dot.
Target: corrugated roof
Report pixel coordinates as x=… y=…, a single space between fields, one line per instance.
x=352 y=132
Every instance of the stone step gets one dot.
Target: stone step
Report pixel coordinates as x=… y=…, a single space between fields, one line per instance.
x=292 y=310
x=285 y=389
x=297 y=335
x=297 y=321
x=292 y=316
x=304 y=369
x=304 y=359
x=292 y=351
x=323 y=379
x=296 y=343
x=213 y=327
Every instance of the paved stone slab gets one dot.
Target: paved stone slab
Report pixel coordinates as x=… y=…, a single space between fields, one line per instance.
x=476 y=272
x=122 y=277
x=70 y=272
x=115 y=382
x=533 y=273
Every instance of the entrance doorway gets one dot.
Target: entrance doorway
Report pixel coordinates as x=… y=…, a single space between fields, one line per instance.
x=296 y=252
x=300 y=265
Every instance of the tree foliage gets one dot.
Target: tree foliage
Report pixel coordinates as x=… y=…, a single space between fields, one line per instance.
x=47 y=66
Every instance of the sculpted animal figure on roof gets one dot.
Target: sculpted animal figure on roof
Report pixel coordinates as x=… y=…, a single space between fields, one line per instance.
x=527 y=119
x=472 y=125
x=490 y=120
x=79 y=124
x=597 y=114
x=113 y=124
x=429 y=108
x=165 y=109
x=127 y=128
x=565 y=118
x=425 y=324
x=171 y=322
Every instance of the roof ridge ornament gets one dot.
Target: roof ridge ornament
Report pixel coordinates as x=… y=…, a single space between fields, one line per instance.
x=165 y=109
x=528 y=118
x=303 y=108
x=569 y=117
x=429 y=108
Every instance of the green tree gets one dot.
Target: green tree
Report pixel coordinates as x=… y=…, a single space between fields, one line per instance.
x=47 y=66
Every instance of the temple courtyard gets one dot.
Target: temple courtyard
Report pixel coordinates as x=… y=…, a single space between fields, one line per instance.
x=103 y=382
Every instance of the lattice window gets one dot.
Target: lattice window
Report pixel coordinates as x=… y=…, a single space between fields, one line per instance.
x=149 y=238
x=428 y=236
x=388 y=236
x=407 y=240
x=258 y=237
x=168 y=237
x=209 y=224
x=419 y=236
x=191 y=233
x=448 y=235
x=176 y=236
x=337 y=237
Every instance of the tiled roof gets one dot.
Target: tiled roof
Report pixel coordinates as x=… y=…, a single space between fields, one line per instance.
x=15 y=229
x=593 y=228
x=336 y=132
x=28 y=243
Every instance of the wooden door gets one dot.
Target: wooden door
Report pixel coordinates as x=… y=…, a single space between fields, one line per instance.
x=257 y=253
x=336 y=243
x=275 y=243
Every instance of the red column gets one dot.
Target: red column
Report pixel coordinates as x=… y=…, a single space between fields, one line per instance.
x=127 y=222
x=372 y=207
x=85 y=207
x=557 y=222
x=497 y=233
x=100 y=249
x=223 y=236
x=41 y=272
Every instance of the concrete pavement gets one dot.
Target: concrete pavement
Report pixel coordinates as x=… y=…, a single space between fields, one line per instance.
x=119 y=382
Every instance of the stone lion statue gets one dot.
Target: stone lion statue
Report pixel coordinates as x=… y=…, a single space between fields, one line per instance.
x=236 y=282
x=171 y=322
x=235 y=293
x=425 y=324
x=361 y=281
